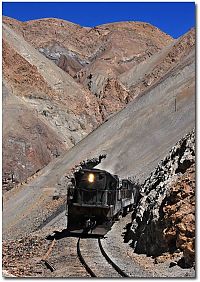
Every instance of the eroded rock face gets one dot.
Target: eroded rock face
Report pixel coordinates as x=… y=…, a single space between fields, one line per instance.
x=95 y=57
x=165 y=216
x=179 y=215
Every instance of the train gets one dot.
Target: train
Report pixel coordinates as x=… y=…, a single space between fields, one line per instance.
x=96 y=199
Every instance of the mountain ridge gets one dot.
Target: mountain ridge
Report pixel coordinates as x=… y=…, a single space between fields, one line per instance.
x=135 y=138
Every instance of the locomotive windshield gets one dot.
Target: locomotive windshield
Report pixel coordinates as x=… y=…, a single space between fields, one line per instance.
x=91 y=180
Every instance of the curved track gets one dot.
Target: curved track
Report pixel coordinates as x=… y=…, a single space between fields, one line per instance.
x=88 y=269
x=116 y=267
x=96 y=261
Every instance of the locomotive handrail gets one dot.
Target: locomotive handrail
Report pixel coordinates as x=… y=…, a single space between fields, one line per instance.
x=92 y=190
x=107 y=193
x=91 y=205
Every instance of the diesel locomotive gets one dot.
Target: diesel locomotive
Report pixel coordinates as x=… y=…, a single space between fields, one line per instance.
x=96 y=199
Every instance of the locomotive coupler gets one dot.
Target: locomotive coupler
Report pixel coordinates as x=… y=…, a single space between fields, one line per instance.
x=89 y=225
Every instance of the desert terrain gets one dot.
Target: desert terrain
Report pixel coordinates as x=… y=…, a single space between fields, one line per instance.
x=72 y=93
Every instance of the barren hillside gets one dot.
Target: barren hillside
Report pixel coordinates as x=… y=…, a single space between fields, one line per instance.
x=135 y=140
x=71 y=93
x=147 y=73
x=28 y=142
x=42 y=62
x=50 y=95
x=87 y=42
x=95 y=56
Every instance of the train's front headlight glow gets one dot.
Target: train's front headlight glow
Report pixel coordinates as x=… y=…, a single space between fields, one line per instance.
x=91 y=177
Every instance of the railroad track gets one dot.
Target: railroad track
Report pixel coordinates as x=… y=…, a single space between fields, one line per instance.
x=95 y=259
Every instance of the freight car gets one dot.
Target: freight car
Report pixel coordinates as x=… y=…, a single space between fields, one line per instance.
x=96 y=199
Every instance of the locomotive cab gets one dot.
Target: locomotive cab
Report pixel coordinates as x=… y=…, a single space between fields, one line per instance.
x=93 y=200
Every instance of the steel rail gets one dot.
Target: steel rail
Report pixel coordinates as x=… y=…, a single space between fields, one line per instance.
x=88 y=269
x=105 y=255
x=116 y=267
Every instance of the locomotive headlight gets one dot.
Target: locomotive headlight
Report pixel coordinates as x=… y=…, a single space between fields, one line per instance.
x=91 y=177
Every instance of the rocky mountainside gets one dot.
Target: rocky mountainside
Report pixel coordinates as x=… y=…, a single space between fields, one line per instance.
x=164 y=220
x=94 y=56
x=135 y=140
x=144 y=75
x=29 y=143
x=87 y=44
x=73 y=78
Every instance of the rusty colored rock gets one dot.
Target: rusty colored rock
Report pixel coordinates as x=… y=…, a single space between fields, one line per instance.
x=165 y=217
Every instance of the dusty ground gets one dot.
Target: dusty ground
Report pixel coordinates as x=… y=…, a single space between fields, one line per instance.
x=22 y=257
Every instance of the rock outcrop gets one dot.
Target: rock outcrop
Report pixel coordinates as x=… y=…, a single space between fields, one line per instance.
x=165 y=215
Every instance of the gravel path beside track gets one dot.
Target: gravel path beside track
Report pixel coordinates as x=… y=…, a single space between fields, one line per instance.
x=137 y=265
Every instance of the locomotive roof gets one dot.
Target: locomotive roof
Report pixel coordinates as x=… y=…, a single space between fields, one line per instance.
x=96 y=170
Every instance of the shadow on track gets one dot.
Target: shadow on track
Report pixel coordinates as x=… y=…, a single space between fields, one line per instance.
x=57 y=235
